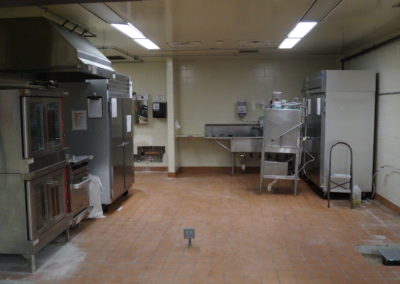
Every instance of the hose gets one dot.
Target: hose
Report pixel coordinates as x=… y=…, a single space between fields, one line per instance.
x=376 y=173
x=269 y=187
x=302 y=169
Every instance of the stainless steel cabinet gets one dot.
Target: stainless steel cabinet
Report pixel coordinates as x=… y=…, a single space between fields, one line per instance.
x=340 y=107
x=109 y=138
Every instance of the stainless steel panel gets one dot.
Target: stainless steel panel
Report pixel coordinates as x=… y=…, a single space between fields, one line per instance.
x=129 y=171
x=51 y=49
x=314 y=127
x=316 y=82
x=275 y=168
x=79 y=198
x=120 y=86
x=96 y=140
x=283 y=128
x=11 y=143
x=13 y=214
x=117 y=149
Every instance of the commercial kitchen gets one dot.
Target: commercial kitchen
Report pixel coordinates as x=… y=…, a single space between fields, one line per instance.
x=199 y=141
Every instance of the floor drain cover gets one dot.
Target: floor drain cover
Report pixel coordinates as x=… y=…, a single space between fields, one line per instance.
x=390 y=256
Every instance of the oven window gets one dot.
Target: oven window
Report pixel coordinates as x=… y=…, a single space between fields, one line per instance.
x=36 y=111
x=54 y=123
x=39 y=203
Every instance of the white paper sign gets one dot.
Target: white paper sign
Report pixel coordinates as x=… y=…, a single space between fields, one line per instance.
x=79 y=120
x=95 y=108
x=114 y=107
x=318 y=106
x=129 y=123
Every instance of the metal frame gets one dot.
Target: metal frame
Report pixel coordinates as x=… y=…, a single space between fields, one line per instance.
x=350 y=181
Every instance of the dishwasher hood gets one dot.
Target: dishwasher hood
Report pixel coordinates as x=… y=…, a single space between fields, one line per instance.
x=51 y=52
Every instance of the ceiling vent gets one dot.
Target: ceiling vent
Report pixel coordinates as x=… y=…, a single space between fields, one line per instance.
x=116 y=57
x=248 y=51
x=116 y=54
x=255 y=43
x=185 y=44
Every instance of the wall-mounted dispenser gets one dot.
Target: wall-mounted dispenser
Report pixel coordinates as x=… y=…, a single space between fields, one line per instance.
x=241 y=108
x=159 y=107
x=159 y=110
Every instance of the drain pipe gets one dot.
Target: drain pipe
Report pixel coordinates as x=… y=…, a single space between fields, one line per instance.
x=243 y=161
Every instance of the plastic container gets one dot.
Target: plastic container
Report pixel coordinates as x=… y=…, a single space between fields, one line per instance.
x=276 y=99
x=356 y=195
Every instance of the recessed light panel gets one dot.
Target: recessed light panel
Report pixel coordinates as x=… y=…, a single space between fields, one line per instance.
x=130 y=30
x=301 y=29
x=289 y=43
x=146 y=43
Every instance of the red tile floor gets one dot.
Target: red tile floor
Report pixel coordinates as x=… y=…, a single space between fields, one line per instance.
x=241 y=237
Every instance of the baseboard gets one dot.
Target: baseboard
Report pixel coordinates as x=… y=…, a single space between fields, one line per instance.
x=217 y=170
x=388 y=203
x=172 y=175
x=151 y=169
x=198 y=170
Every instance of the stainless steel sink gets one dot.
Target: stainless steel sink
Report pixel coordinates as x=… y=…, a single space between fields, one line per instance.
x=242 y=137
x=232 y=130
x=246 y=144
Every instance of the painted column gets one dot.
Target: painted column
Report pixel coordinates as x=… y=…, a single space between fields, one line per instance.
x=171 y=147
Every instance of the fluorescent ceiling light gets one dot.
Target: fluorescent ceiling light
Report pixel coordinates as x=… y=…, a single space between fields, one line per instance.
x=301 y=29
x=289 y=43
x=146 y=43
x=130 y=30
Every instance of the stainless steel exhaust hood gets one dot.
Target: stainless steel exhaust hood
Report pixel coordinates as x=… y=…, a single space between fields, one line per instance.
x=51 y=52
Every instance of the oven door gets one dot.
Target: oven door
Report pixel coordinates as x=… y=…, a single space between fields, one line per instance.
x=45 y=202
x=42 y=125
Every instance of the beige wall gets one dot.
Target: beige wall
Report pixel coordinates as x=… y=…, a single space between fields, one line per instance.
x=148 y=78
x=386 y=62
x=208 y=88
x=206 y=91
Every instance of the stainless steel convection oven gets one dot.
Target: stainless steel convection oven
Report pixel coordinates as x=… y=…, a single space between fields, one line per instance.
x=32 y=169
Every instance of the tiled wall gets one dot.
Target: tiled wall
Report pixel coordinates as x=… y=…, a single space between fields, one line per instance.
x=208 y=88
x=148 y=78
x=386 y=62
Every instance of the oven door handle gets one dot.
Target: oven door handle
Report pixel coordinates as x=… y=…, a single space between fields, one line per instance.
x=81 y=184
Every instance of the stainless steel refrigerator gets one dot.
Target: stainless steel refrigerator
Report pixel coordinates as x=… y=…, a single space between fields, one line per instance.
x=98 y=118
x=340 y=107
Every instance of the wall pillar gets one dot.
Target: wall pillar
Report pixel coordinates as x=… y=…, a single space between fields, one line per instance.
x=171 y=146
